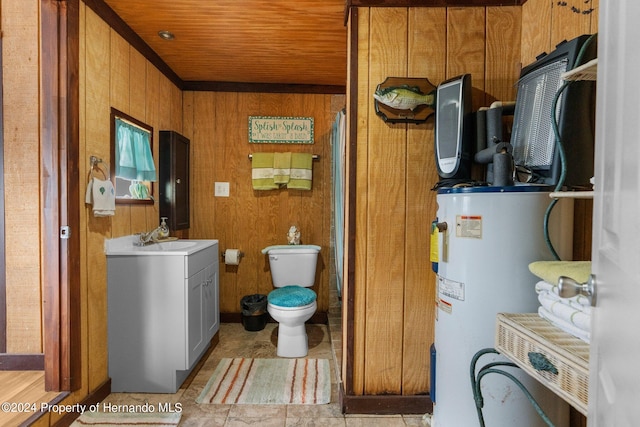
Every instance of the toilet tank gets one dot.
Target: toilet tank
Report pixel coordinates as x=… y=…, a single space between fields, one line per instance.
x=293 y=264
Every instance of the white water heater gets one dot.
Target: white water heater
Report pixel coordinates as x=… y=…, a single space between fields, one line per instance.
x=491 y=236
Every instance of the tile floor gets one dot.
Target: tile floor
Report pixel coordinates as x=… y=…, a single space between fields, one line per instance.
x=236 y=342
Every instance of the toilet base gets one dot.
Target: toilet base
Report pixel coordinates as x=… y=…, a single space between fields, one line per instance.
x=292 y=341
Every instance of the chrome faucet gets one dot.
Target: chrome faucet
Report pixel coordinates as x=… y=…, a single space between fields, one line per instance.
x=147 y=238
x=153 y=236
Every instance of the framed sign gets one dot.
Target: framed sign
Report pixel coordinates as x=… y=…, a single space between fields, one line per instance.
x=280 y=130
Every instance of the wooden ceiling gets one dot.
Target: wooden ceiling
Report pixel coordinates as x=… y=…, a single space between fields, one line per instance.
x=291 y=42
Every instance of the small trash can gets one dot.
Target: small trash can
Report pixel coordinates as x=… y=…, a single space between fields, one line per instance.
x=254 y=312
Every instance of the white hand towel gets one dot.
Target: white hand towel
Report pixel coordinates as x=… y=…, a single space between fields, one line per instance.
x=564 y=325
x=103 y=197
x=578 y=318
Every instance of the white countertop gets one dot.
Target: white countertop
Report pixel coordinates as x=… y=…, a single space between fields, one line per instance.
x=124 y=246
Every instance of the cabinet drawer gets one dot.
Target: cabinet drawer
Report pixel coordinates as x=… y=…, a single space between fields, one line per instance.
x=199 y=260
x=567 y=374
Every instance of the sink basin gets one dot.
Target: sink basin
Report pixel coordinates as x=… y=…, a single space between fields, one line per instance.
x=173 y=246
x=124 y=246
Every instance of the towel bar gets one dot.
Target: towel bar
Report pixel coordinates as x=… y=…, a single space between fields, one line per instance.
x=314 y=157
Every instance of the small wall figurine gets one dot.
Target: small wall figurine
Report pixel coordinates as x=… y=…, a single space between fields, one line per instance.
x=293 y=236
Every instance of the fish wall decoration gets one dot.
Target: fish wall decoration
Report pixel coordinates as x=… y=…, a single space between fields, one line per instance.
x=405 y=99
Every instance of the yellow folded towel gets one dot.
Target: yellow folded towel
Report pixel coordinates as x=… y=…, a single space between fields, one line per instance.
x=301 y=171
x=262 y=171
x=550 y=271
x=281 y=167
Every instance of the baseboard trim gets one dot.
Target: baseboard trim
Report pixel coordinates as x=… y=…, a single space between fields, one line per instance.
x=21 y=362
x=97 y=396
x=385 y=404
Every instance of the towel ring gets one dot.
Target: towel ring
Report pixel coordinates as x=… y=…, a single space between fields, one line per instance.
x=98 y=165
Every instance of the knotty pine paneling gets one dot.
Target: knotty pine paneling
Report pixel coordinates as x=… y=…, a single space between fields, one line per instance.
x=217 y=125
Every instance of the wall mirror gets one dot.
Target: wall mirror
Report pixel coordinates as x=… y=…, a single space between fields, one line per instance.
x=132 y=168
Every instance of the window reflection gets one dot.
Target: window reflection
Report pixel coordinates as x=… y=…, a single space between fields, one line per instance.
x=133 y=168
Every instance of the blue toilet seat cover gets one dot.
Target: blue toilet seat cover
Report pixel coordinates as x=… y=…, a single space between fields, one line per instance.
x=291 y=296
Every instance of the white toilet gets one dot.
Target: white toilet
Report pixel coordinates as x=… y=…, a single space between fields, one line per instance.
x=293 y=270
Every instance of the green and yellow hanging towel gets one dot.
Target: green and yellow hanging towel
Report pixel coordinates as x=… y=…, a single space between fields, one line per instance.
x=301 y=171
x=262 y=171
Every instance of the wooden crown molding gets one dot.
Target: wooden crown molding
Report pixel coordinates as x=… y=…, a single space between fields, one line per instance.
x=433 y=3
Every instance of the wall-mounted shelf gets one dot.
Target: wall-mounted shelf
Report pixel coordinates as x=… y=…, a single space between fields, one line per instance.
x=587 y=71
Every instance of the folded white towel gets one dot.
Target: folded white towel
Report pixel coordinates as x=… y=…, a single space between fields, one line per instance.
x=102 y=196
x=580 y=302
x=578 y=318
x=565 y=326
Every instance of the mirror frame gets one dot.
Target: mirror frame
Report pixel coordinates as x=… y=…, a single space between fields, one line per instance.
x=119 y=114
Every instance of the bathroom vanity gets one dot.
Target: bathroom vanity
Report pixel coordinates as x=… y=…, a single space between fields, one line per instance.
x=163 y=311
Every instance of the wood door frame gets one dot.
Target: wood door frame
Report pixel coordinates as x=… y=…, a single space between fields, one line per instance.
x=60 y=136
x=3 y=262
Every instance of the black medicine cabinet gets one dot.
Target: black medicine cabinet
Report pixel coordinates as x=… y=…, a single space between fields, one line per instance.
x=174 y=179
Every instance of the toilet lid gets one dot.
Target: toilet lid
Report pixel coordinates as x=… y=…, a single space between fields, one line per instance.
x=291 y=296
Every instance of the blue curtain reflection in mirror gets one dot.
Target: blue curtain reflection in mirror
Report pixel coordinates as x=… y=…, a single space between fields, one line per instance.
x=132 y=153
x=134 y=160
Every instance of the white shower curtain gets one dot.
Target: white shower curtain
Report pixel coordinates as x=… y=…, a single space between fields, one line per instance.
x=338 y=142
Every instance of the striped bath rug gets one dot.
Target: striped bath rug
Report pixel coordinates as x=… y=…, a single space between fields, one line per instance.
x=263 y=381
x=128 y=419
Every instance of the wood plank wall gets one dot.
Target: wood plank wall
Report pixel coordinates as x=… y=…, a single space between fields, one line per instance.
x=394 y=286
x=545 y=23
x=249 y=220
x=112 y=74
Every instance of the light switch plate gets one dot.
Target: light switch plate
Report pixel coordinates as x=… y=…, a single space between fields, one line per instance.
x=221 y=189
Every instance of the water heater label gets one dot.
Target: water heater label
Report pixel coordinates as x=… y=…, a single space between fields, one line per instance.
x=450 y=288
x=469 y=226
